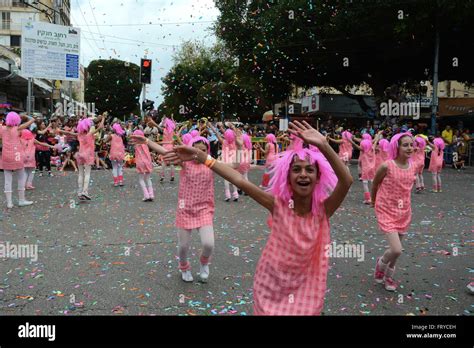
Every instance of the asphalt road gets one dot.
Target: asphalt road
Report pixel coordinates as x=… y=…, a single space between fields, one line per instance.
x=117 y=255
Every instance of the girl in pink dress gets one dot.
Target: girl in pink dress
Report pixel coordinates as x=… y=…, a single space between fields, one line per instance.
x=419 y=162
x=436 y=162
x=270 y=153
x=117 y=153
x=306 y=189
x=345 y=146
x=367 y=165
x=13 y=157
x=28 y=142
x=144 y=169
x=85 y=157
x=245 y=156
x=229 y=156
x=195 y=205
x=381 y=152
x=391 y=195
x=168 y=143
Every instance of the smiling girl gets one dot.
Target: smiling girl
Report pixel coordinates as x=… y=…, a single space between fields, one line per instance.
x=306 y=189
x=391 y=195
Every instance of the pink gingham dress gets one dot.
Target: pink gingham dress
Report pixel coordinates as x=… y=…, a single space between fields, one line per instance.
x=29 y=150
x=272 y=155
x=345 y=150
x=367 y=164
x=143 y=159
x=117 y=149
x=291 y=274
x=380 y=157
x=393 y=200
x=86 y=154
x=168 y=140
x=436 y=161
x=419 y=160
x=195 y=196
x=245 y=158
x=12 y=152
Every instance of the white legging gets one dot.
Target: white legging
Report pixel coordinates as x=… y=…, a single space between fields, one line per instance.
x=117 y=168
x=227 y=188
x=207 y=242
x=365 y=183
x=437 y=179
x=419 y=180
x=171 y=169
x=84 y=178
x=145 y=182
x=30 y=174
x=9 y=179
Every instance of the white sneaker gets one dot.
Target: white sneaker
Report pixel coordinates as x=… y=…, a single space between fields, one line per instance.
x=187 y=276
x=24 y=203
x=9 y=206
x=204 y=273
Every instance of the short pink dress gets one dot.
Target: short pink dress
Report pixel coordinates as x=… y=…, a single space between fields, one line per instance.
x=195 y=196
x=272 y=156
x=29 y=150
x=86 y=154
x=393 y=200
x=345 y=150
x=380 y=157
x=117 y=149
x=229 y=153
x=168 y=140
x=367 y=163
x=143 y=159
x=291 y=274
x=419 y=160
x=12 y=149
x=246 y=156
x=436 y=161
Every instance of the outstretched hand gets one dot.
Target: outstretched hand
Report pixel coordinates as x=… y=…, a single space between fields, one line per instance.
x=307 y=133
x=137 y=140
x=183 y=154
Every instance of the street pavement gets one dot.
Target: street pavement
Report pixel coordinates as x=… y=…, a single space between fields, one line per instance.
x=117 y=255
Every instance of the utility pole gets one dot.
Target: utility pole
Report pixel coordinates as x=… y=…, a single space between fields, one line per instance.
x=434 y=105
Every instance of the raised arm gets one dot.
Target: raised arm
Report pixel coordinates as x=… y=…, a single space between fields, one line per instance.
x=355 y=145
x=138 y=139
x=43 y=144
x=27 y=124
x=219 y=137
x=186 y=153
x=313 y=137
x=337 y=141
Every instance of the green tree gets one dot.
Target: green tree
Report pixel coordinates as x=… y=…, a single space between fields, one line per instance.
x=113 y=86
x=343 y=44
x=208 y=82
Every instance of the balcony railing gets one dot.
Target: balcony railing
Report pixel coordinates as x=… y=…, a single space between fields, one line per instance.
x=12 y=3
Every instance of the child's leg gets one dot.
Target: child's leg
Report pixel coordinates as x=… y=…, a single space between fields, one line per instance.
x=227 y=189
x=417 y=177
x=8 y=187
x=184 y=239
x=207 y=241
x=149 y=185
x=30 y=174
x=74 y=165
x=246 y=176
x=162 y=171
x=115 y=169
x=87 y=178
x=120 y=168
x=422 y=182
x=21 y=184
x=438 y=175
x=80 y=180
x=141 y=180
x=435 y=182
x=394 y=251
x=172 y=170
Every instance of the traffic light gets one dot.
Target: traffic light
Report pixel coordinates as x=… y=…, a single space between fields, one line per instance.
x=145 y=71
x=148 y=105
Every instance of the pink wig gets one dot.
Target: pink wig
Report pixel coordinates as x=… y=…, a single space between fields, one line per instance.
x=200 y=140
x=366 y=145
x=439 y=142
x=118 y=129
x=247 y=141
x=384 y=145
x=229 y=136
x=366 y=136
x=395 y=143
x=169 y=125
x=347 y=135
x=187 y=138
x=84 y=125
x=296 y=142
x=27 y=134
x=420 y=143
x=280 y=185
x=13 y=119
x=194 y=133
x=270 y=138
x=139 y=132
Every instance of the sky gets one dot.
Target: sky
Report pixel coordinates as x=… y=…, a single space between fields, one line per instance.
x=129 y=29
